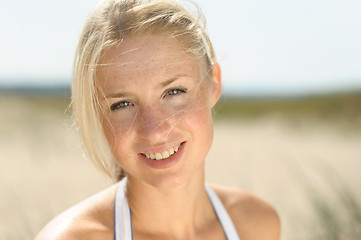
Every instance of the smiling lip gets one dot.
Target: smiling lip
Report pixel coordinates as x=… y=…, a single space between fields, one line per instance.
x=163 y=159
x=162 y=155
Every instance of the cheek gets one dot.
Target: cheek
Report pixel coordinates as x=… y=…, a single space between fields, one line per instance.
x=109 y=131
x=119 y=141
x=200 y=124
x=114 y=131
x=198 y=118
x=118 y=122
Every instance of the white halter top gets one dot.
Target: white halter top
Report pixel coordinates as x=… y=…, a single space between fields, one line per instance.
x=123 y=216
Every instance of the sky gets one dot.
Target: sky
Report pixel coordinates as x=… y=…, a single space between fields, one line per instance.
x=264 y=46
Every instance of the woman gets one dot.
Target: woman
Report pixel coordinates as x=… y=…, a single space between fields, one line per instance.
x=145 y=81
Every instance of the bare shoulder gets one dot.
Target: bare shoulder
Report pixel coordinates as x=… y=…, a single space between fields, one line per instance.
x=90 y=219
x=253 y=217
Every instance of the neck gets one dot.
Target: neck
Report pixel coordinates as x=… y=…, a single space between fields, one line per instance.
x=184 y=209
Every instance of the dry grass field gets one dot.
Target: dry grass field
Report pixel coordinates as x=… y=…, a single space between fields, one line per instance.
x=307 y=165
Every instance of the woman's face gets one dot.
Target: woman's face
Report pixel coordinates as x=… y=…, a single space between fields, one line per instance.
x=157 y=109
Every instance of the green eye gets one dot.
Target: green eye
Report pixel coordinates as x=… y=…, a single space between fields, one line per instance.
x=122 y=104
x=176 y=91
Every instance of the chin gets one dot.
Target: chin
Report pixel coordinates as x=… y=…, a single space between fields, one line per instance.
x=166 y=180
x=174 y=179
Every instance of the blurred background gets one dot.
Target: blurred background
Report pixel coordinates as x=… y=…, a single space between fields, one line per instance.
x=289 y=122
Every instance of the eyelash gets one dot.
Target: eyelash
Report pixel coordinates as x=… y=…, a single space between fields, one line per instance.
x=124 y=104
x=175 y=91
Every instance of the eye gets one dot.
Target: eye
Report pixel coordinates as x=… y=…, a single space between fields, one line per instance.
x=176 y=91
x=121 y=104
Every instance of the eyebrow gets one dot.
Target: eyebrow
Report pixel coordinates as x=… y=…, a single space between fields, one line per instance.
x=167 y=82
x=160 y=85
x=117 y=95
x=171 y=80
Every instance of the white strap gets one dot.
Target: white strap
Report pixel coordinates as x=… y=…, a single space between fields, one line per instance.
x=122 y=215
x=222 y=215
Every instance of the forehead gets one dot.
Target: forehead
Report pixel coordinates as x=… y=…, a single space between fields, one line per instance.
x=150 y=52
x=144 y=61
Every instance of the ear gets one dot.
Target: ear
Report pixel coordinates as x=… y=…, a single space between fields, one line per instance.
x=216 y=82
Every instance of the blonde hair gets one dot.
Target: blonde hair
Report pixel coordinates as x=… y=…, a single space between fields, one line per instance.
x=109 y=23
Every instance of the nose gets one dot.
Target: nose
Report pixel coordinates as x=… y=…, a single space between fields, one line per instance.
x=154 y=123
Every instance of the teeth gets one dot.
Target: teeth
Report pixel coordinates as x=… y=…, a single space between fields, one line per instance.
x=163 y=155
x=158 y=156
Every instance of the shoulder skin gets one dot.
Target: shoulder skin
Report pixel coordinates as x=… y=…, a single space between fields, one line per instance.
x=253 y=218
x=88 y=220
